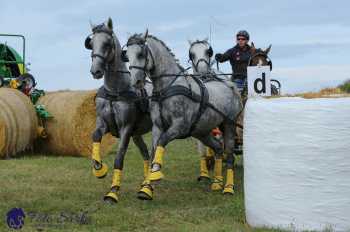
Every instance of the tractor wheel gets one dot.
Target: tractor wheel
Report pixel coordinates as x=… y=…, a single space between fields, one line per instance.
x=2 y=81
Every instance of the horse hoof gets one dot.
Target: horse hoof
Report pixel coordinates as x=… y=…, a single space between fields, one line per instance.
x=146 y=193
x=203 y=178
x=102 y=172
x=156 y=176
x=228 y=190
x=111 y=198
x=216 y=186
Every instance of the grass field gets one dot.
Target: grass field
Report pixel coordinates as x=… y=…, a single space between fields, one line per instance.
x=61 y=194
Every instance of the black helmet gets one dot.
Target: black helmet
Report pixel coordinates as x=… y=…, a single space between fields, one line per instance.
x=243 y=33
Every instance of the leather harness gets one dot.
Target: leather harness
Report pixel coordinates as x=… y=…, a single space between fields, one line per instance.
x=177 y=90
x=126 y=96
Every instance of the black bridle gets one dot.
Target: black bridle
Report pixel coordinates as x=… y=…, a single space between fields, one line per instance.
x=111 y=50
x=209 y=53
x=145 y=49
x=108 y=59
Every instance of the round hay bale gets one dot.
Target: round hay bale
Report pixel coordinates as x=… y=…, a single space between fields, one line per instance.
x=18 y=122
x=70 y=129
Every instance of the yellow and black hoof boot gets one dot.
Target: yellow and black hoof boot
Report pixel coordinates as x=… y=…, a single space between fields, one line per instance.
x=228 y=190
x=102 y=170
x=155 y=176
x=111 y=197
x=145 y=193
x=217 y=185
x=203 y=177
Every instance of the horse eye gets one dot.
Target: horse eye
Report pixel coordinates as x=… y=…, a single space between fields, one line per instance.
x=140 y=55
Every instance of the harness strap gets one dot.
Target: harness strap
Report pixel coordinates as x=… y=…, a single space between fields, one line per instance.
x=203 y=102
x=176 y=90
x=128 y=96
x=114 y=127
x=116 y=96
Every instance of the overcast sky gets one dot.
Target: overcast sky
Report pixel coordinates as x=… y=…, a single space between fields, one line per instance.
x=310 y=39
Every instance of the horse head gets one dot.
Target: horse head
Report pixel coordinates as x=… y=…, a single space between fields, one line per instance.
x=260 y=57
x=103 y=47
x=200 y=54
x=140 y=58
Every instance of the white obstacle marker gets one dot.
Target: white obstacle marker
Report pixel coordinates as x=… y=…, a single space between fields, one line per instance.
x=259 y=81
x=297 y=163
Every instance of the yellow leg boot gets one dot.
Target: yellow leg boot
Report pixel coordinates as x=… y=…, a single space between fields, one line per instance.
x=146 y=191
x=218 y=179
x=210 y=159
x=204 y=173
x=112 y=196
x=157 y=175
x=229 y=186
x=99 y=169
x=210 y=152
x=145 y=168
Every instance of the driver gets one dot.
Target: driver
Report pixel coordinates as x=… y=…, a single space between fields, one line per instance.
x=239 y=57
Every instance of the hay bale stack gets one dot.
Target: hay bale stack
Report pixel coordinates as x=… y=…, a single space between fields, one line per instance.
x=18 y=122
x=73 y=122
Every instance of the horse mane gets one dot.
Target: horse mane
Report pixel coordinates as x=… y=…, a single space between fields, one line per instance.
x=200 y=41
x=139 y=39
x=101 y=28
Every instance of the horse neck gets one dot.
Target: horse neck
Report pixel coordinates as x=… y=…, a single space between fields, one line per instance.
x=114 y=80
x=166 y=65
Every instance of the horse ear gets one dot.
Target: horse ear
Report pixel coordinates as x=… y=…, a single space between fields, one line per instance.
x=110 y=23
x=252 y=48
x=92 y=25
x=253 y=45
x=146 y=34
x=268 y=49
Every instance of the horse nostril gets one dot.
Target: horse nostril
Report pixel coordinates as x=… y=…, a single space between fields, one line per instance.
x=96 y=73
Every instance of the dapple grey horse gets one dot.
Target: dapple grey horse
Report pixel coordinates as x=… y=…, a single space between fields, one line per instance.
x=200 y=56
x=181 y=106
x=200 y=53
x=120 y=108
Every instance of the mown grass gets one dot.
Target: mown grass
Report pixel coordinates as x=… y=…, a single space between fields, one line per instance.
x=56 y=191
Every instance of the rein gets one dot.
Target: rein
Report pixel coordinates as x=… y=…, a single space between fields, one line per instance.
x=179 y=90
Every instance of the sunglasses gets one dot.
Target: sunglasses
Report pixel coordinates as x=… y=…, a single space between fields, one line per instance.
x=241 y=38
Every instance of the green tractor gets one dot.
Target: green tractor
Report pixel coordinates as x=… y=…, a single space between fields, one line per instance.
x=13 y=69
x=14 y=73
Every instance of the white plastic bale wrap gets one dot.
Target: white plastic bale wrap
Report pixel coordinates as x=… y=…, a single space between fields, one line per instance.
x=297 y=163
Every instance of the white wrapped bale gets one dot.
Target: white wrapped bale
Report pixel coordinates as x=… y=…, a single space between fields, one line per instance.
x=297 y=163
